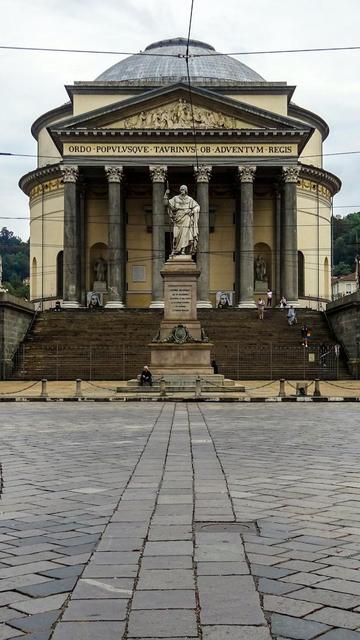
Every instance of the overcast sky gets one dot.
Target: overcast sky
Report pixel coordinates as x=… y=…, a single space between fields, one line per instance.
x=328 y=83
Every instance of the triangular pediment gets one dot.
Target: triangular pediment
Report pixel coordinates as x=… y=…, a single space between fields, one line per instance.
x=180 y=114
x=170 y=108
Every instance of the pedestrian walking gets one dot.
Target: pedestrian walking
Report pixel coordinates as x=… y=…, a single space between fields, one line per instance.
x=291 y=316
x=305 y=334
x=269 y=296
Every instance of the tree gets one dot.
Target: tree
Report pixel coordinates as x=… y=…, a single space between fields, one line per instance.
x=15 y=259
x=346 y=237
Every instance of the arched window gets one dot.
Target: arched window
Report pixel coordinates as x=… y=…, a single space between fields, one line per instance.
x=60 y=274
x=326 y=279
x=301 y=274
x=34 y=292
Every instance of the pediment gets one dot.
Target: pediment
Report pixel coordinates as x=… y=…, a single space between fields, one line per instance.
x=180 y=114
x=170 y=108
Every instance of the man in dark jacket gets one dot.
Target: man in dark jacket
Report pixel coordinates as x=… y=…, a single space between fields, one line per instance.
x=146 y=377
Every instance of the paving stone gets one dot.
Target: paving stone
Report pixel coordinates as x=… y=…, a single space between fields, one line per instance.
x=49 y=588
x=162 y=624
x=166 y=599
x=40 y=605
x=7 y=632
x=295 y=627
x=89 y=630
x=64 y=572
x=276 y=587
x=336 y=618
x=167 y=562
x=222 y=568
x=331 y=598
x=168 y=548
x=341 y=634
x=225 y=632
x=7 y=614
x=96 y=609
x=88 y=588
x=289 y=606
x=165 y=579
x=110 y=571
x=35 y=622
x=229 y=600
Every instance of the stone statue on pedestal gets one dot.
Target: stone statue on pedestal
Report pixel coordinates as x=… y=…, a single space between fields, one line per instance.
x=100 y=270
x=184 y=212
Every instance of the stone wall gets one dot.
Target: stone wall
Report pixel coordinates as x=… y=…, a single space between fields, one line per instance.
x=15 y=318
x=344 y=317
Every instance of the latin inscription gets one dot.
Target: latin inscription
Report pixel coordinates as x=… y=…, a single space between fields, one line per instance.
x=180 y=299
x=180 y=149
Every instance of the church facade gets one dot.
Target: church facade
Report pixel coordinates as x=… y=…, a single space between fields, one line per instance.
x=249 y=156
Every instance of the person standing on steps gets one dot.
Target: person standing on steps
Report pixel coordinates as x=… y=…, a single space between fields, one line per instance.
x=269 y=296
x=305 y=334
x=260 y=305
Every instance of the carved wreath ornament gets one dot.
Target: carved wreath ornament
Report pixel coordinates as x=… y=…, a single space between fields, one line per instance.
x=180 y=335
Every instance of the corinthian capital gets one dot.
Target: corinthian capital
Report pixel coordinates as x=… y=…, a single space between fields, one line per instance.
x=158 y=173
x=114 y=173
x=202 y=173
x=70 y=172
x=290 y=173
x=247 y=173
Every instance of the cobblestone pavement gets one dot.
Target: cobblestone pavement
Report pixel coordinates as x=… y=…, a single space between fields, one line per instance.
x=209 y=521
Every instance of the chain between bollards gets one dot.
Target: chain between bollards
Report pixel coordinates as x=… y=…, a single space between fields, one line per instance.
x=78 y=392
x=44 y=393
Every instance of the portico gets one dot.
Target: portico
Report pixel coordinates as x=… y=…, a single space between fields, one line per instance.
x=241 y=147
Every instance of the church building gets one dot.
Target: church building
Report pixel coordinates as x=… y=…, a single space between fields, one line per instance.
x=249 y=156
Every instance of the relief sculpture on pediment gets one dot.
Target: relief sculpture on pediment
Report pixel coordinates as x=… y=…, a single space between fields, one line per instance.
x=179 y=115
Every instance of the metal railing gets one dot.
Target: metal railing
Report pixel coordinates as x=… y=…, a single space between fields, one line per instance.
x=236 y=360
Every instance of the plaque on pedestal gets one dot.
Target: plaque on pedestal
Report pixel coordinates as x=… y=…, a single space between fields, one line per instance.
x=261 y=286
x=99 y=286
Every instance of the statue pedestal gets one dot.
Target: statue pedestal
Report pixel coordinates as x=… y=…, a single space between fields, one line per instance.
x=99 y=286
x=261 y=286
x=180 y=347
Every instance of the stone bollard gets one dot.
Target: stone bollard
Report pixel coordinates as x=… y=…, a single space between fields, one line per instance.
x=78 y=392
x=282 y=388
x=162 y=387
x=317 y=392
x=198 y=387
x=44 y=393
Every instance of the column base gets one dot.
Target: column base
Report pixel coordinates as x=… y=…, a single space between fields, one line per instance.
x=70 y=304
x=114 y=304
x=203 y=304
x=156 y=304
x=292 y=303
x=246 y=304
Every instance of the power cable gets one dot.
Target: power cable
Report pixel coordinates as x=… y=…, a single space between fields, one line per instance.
x=189 y=85
x=178 y=55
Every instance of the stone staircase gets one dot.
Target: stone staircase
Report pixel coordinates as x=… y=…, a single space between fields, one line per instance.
x=113 y=345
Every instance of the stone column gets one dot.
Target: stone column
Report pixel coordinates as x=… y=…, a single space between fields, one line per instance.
x=72 y=250
x=116 y=240
x=203 y=174
x=237 y=241
x=158 y=177
x=277 y=241
x=246 y=259
x=289 y=259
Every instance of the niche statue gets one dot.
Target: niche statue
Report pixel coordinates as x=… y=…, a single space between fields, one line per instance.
x=100 y=270
x=184 y=213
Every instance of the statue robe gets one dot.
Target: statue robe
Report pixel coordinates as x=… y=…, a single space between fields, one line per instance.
x=184 y=212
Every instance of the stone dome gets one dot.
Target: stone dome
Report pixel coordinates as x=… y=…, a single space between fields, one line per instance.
x=165 y=64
